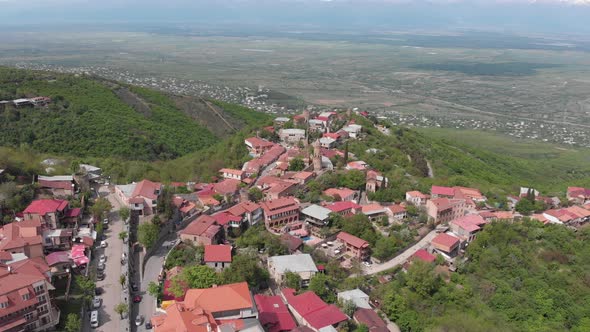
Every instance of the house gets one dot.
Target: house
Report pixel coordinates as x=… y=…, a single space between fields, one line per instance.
x=254 y=166
x=375 y=181
x=327 y=142
x=25 y=302
x=345 y=209
x=280 y=212
x=202 y=231
x=257 y=146
x=309 y=310
x=417 y=198
x=185 y=207
x=274 y=188
x=141 y=197
x=469 y=193
x=318 y=125
x=235 y=174
x=301 y=264
x=573 y=215
x=446 y=244
x=60 y=186
x=353 y=130
x=227 y=187
x=22 y=237
x=92 y=173
x=354 y=246
x=370 y=319
x=467 y=226
x=375 y=211
x=58 y=239
x=250 y=212
x=423 y=255
x=358 y=165
x=49 y=212
x=316 y=215
x=443 y=210
x=341 y=194
x=209 y=309
x=227 y=220
x=442 y=192
x=578 y=195
x=280 y=121
x=217 y=256
x=60 y=263
x=274 y=314
x=356 y=296
x=300 y=178
x=397 y=212
x=292 y=243
x=292 y=136
x=524 y=191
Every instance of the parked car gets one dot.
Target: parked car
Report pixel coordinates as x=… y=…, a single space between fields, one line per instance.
x=103 y=244
x=139 y=320
x=105 y=221
x=100 y=275
x=137 y=299
x=148 y=325
x=94 y=319
x=96 y=302
x=100 y=266
x=98 y=291
x=102 y=258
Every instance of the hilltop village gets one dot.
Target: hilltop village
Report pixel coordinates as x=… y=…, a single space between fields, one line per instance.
x=276 y=245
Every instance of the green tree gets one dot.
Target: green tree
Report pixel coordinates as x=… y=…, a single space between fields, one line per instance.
x=153 y=289
x=87 y=286
x=246 y=268
x=198 y=276
x=296 y=165
x=362 y=328
x=124 y=213
x=123 y=235
x=73 y=323
x=121 y=309
x=292 y=280
x=100 y=207
x=348 y=307
x=156 y=220
x=255 y=194
x=147 y=234
x=353 y=179
x=422 y=278
x=322 y=285
x=122 y=279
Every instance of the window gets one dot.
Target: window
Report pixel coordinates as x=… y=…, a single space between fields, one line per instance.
x=26 y=296
x=38 y=288
x=29 y=316
x=4 y=305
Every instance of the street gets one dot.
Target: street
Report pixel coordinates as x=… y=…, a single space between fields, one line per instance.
x=109 y=320
x=401 y=258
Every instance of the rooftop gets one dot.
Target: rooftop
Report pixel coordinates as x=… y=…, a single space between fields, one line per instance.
x=220 y=298
x=45 y=206
x=352 y=240
x=317 y=212
x=218 y=253
x=445 y=240
x=273 y=313
x=293 y=263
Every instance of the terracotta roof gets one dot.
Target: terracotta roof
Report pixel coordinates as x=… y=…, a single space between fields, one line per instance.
x=65 y=185
x=258 y=142
x=279 y=205
x=13 y=285
x=199 y=226
x=470 y=223
x=14 y=236
x=179 y=318
x=242 y=208
x=57 y=257
x=343 y=206
x=224 y=218
x=72 y=213
x=342 y=192
x=315 y=311
x=446 y=240
x=395 y=209
x=358 y=165
x=352 y=240
x=227 y=186
x=220 y=298
x=416 y=193
x=464 y=192
x=292 y=242
x=147 y=189
x=370 y=319
x=373 y=208
x=217 y=253
x=45 y=206
x=273 y=313
x=232 y=171
x=424 y=256
x=208 y=200
x=444 y=191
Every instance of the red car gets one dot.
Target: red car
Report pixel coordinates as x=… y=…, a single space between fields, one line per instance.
x=137 y=299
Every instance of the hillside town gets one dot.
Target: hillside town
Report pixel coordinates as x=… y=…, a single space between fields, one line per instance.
x=249 y=250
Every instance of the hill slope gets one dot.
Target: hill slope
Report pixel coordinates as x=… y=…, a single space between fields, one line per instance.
x=91 y=117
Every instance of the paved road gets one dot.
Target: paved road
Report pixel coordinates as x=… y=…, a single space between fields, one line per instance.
x=109 y=320
x=401 y=258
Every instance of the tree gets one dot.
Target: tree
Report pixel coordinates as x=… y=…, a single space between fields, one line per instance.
x=73 y=323
x=246 y=268
x=123 y=235
x=100 y=208
x=153 y=289
x=353 y=179
x=322 y=285
x=122 y=280
x=87 y=287
x=348 y=307
x=124 y=213
x=147 y=234
x=255 y=194
x=121 y=309
x=198 y=276
x=422 y=278
x=362 y=328
x=296 y=165
x=156 y=220
x=292 y=280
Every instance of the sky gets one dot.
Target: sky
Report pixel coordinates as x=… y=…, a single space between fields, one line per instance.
x=547 y=16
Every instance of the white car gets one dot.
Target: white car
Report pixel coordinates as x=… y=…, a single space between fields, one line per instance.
x=103 y=244
x=102 y=259
x=139 y=320
x=96 y=302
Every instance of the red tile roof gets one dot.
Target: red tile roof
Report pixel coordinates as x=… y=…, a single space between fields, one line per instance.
x=258 y=142
x=72 y=213
x=279 y=205
x=444 y=191
x=470 y=223
x=65 y=185
x=395 y=209
x=224 y=218
x=19 y=281
x=342 y=192
x=147 y=189
x=199 y=226
x=45 y=206
x=446 y=240
x=217 y=253
x=424 y=256
x=370 y=319
x=292 y=242
x=417 y=194
x=352 y=240
x=227 y=186
x=14 y=236
x=315 y=311
x=273 y=313
x=220 y=298
x=243 y=208
x=343 y=206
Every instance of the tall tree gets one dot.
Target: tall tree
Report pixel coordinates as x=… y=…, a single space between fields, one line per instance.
x=73 y=323
x=147 y=234
x=124 y=213
x=100 y=207
x=121 y=309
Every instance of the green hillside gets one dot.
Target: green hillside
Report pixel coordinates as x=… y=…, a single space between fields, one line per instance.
x=91 y=117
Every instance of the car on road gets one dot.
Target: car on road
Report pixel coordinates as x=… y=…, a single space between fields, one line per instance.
x=102 y=258
x=96 y=302
x=139 y=320
x=100 y=275
x=100 y=266
x=98 y=291
x=103 y=244
x=134 y=287
x=137 y=299
x=148 y=325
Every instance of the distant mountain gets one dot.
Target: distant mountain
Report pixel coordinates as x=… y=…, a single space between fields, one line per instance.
x=91 y=117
